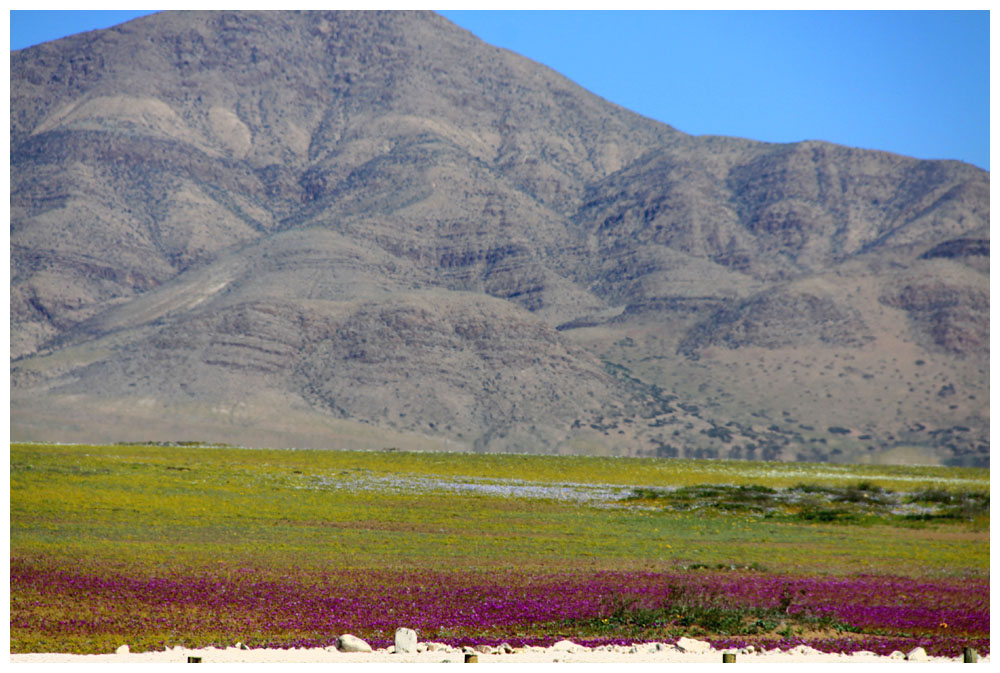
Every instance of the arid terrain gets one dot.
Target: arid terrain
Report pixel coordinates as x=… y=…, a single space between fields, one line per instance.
x=373 y=230
x=640 y=653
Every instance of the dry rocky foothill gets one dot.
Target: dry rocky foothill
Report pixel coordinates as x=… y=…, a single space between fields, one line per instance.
x=371 y=230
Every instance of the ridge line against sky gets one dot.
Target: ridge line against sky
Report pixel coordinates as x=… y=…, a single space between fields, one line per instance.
x=915 y=83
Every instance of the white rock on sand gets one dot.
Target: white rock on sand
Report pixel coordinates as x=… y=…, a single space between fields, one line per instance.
x=349 y=643
x=435 y=653
x=692 y=645
x=565 y=646
x=406 y=640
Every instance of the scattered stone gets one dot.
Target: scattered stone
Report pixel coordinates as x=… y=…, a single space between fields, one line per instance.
x=506 y=648
x=406 y=640
x=349 y=643
x=483 y=649
x=565 y=646
x=122 y=650
x=686 y=644
x=633 y=650
x=421 y=647
x=917 y=654
x=897 y=655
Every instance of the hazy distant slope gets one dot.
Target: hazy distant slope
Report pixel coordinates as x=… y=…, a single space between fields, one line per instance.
x=377 y=221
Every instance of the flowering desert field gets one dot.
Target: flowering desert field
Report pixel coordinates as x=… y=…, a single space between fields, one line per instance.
x=173 y=548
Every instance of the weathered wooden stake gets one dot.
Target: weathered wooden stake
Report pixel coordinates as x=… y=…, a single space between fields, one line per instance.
x=471 y=658
x=194 y=660
x=970 y=656
x=728 y=658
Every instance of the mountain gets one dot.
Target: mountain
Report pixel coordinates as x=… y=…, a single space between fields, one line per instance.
x=371 y=229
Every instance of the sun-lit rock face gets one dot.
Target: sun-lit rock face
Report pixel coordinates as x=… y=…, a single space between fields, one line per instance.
x=253 y=225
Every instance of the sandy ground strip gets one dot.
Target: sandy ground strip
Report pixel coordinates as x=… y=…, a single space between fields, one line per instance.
x=643 y=653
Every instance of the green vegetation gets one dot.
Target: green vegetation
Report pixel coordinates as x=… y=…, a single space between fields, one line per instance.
x=160 y=545
x=141 y=504
x=863 y=502
x=693 y=616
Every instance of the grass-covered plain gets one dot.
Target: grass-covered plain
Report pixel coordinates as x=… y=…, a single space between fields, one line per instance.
x=192 y=545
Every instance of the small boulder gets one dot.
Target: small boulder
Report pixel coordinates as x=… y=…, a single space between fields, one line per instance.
x=565 y=646
x=483 y=649
x=686 y=644
x=349 y=643
x=897 y=655
x=406 y=640
x=122 y=650
x=917 y=654
x=506 y=648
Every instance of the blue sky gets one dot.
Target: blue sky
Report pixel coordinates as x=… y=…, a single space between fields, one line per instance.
x=914 y=83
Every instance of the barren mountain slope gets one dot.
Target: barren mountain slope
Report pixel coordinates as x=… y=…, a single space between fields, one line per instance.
x=368 y=229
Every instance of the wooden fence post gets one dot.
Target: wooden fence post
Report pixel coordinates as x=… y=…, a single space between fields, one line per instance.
x=471 y=658
x=970 y=656
x=728 y=658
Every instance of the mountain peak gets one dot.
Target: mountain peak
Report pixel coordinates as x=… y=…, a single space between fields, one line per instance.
x=355 y=228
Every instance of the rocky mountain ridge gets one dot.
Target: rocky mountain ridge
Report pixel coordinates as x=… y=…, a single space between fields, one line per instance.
x=372 y=229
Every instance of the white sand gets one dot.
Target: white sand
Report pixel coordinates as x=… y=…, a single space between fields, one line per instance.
x=646 y=653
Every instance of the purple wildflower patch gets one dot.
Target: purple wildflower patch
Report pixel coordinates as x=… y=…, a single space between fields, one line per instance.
x=58 y=608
